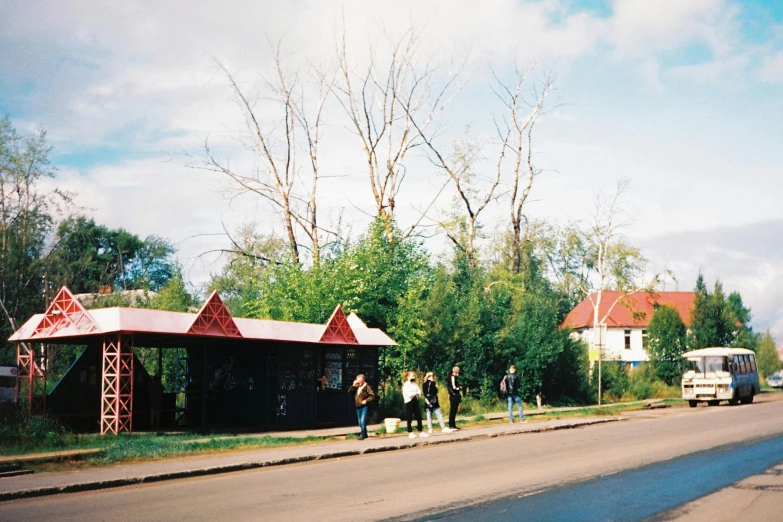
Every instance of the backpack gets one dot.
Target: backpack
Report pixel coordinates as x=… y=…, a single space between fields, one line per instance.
x=503 y=387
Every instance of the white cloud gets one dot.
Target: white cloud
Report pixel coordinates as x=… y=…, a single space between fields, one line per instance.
x=771 y=69
x=746 y=258
x=640 y=26
x=138 y=77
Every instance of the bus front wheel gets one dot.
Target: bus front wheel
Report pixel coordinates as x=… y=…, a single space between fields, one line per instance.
x=692 y=404
x=748 y=399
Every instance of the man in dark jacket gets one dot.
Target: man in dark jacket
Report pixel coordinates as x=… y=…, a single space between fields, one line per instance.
x=455 y=397
x=512 y=392
x=363 y=397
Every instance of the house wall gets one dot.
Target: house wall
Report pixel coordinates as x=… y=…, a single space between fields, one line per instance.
x=614 y=344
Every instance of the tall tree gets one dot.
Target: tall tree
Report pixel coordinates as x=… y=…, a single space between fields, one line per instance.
x=392 y=102
x=712 y=321
x=613 y=264
x=474 y=193
x=88 y=256
x=667 y=337
x=767 y=355
x=516 y=137
x=286 y=147
x=27 y=214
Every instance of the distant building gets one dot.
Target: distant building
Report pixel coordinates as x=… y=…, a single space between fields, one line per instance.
x=625 y=337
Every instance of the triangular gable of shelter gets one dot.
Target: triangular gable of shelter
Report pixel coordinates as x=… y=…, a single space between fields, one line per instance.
x=214 y=319
x=65 y=316
x=338 y=330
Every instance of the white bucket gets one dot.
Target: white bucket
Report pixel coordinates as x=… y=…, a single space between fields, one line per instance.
x=392 y=423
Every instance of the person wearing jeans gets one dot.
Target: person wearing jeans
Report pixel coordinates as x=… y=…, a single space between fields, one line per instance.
x=512 y=391
x=363 y=396
x=431 y=403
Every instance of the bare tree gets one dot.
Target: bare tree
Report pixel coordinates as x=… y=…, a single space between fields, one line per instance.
x=277 y=175
x=474 y=192
x=391 y=102
x=515 y=131
x=613 y=263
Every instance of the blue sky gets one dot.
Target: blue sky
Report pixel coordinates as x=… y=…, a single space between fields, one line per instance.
x=681 y=97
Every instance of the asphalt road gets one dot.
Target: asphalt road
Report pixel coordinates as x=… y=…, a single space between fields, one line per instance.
x=431 y=482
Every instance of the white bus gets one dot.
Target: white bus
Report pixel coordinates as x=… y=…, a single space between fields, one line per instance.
x=717 y=374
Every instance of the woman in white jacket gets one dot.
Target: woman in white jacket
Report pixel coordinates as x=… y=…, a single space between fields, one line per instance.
x=411 y=393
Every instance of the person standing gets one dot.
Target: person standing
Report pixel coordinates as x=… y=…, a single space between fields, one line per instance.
x=411 y=393
x=512 y=394
x=431 y=403
x=363 y=397
x=455 y=397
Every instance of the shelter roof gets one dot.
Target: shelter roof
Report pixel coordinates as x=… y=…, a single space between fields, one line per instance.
x=212 y=321
x=633 y=310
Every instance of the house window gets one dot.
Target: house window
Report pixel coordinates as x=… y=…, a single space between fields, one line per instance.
x=628 y=339
x=644 y=339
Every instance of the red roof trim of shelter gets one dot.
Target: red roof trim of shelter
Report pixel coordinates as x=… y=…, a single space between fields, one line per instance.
x=634 y=310
x=214 y=319
x=65 y=316
x=338 y=330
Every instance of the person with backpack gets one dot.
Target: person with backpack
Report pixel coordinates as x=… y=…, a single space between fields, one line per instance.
x=509 y=387
x=431 y=403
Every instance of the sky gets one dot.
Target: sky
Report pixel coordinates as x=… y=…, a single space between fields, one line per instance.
x=681 y=98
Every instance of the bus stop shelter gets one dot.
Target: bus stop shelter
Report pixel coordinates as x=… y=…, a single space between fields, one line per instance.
x=235 y=372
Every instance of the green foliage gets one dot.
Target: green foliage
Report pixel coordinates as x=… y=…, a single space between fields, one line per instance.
x=19 y=430
x=767 y=355
x=174 y=296
x=719 y=321
x=625 y=384
x=26 y=221
x=667 y=336
x=88 y=256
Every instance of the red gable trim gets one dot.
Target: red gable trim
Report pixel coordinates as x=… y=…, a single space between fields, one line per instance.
x=634 y=310
x=65 y=315
x=338 y=330
x=214 y=319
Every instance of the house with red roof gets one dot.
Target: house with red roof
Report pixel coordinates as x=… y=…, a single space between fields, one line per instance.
x=623 y=321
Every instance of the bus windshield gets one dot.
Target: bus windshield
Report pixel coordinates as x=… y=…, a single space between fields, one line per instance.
x=705 y=365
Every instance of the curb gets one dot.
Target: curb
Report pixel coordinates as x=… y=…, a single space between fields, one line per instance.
x=245 y=466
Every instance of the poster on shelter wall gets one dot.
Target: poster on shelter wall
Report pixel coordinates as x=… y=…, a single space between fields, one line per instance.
x=334 y=375
x=333 y=369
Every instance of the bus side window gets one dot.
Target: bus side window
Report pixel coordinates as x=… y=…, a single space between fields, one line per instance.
x=753 y=367
x=745 y=364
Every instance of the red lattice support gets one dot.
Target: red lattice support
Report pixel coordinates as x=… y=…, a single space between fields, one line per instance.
x=32 y=377
x=117 y=384
x=214 y=319
x=338 y=330
x=65 y=313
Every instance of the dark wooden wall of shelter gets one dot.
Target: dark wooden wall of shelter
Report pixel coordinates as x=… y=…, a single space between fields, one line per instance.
x=76 y=398
x=276 y=385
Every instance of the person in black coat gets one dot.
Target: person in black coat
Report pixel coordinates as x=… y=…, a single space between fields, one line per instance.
x=455 y=397
x=430 y=390
x=512 y=394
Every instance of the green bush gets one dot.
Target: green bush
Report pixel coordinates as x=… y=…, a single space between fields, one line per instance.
x=19 y=429
x=390 y=402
